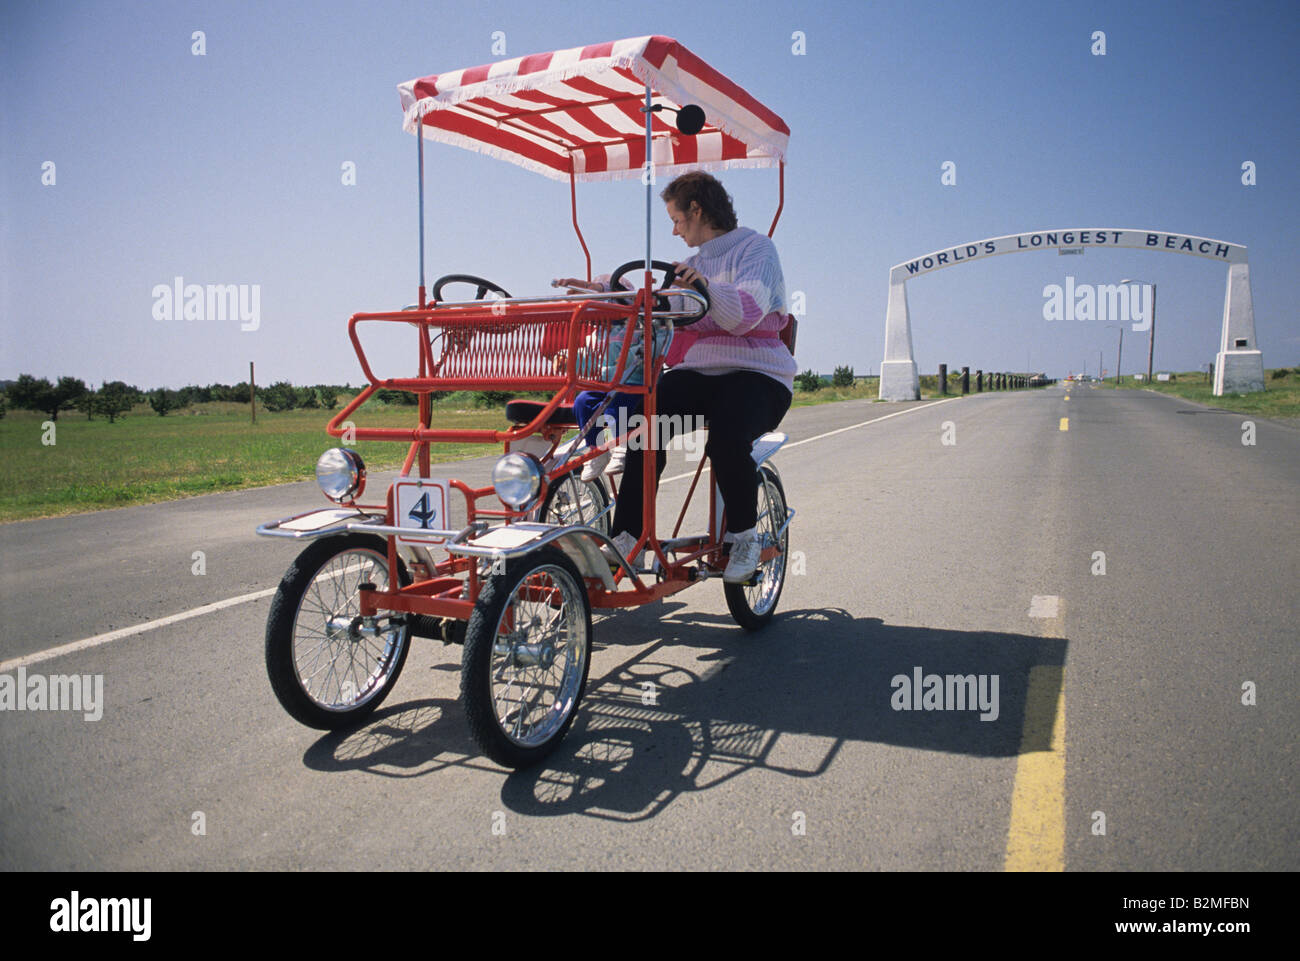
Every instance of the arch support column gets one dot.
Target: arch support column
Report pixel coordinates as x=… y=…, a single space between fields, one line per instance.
x=1239 y=365
x=898 y=376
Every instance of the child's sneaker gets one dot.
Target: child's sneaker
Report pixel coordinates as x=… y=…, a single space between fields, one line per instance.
x=595 y=467
x=618 y=458
x=623 y=543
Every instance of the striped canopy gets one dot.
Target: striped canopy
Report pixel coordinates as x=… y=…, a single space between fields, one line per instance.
x=579 y=111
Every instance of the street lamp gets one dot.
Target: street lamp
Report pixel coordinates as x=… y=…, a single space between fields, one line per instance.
x=1151 y=344
x=1120 y=359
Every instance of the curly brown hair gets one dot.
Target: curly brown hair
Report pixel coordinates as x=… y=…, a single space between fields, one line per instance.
x=707 y=191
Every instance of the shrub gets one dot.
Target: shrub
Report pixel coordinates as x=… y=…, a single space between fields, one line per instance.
x=394 y=397
x=843 y=377
x=279 y=396
x=114 y=399
x=162 y=400
x=86 y=404
x=808 y=380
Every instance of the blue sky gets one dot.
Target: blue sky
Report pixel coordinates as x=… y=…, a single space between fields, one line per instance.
x=226 y=169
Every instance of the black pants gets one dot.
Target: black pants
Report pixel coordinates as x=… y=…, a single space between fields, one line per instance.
x=738 y=407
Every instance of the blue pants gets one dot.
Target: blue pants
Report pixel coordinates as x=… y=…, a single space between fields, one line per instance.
x=587 y=402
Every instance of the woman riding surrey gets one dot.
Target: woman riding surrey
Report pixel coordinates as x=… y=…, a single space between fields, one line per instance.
x=737 y=373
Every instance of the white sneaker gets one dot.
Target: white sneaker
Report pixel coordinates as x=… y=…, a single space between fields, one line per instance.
x=617 y=460
x=595 y=467
x=745 y=551
x=623 y=543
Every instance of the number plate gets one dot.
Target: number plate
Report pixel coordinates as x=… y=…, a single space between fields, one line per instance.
x=420 y=505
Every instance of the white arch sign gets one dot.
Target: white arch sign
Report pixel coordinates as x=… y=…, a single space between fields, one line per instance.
x=1239 y=365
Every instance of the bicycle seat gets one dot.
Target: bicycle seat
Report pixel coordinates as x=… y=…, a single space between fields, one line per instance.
x=523 y=411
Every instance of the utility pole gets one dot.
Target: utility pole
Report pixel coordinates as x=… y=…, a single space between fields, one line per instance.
x=1151 y=349
x=252 y=394
x=1119 y=360
x=1151 y=335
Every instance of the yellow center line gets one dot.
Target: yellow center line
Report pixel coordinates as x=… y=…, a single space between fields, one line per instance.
x=1065 y=423
x=1036 y=835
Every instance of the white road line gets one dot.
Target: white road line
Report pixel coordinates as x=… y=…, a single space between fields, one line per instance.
x=71 y=648
x=830 y=433
x=1044 y=605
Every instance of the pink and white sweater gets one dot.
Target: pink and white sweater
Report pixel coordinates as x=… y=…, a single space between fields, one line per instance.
x=747 y=293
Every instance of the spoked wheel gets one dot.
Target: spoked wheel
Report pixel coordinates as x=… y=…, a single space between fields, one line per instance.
x=571 y=500
x=753 y=604
x=327 y=668
x=527 y=652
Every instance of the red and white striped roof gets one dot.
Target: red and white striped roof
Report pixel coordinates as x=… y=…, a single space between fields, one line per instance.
x=580 y=110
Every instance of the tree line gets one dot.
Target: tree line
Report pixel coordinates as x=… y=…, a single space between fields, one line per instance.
x=810 y=380
x=115 y=398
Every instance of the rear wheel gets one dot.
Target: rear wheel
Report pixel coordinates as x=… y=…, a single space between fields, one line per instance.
x=753 y=604
x=527 y=653
x=327 y=668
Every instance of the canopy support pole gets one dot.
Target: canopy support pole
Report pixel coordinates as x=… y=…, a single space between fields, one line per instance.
x=647 y=175
x=780 y=203
x=573 y=201
x=419 y=150
x=426 y=411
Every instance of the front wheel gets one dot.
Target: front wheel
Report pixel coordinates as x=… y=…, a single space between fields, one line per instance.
x=328 y=668
x=753 y=604
x=527 y=653
x=571 y=500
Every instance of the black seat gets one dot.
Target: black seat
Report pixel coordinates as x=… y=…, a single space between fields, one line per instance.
x=523 y=412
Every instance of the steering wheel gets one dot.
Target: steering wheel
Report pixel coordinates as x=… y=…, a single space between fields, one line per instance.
x=661 y=303
x=483 y=285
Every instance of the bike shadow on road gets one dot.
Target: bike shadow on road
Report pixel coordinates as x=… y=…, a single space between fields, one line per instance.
x=694 y=702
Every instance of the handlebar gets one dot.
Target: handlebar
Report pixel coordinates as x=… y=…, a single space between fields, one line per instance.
x=690 y=292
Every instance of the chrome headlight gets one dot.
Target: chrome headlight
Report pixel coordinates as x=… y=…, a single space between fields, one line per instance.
x=341 y=474
x=517 y=478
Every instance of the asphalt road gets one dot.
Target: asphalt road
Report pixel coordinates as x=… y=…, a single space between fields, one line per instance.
x=1121 y=740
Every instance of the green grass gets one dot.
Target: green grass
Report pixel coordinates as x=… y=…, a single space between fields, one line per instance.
x=143 y=458
x=865 y=389
x=1280 y=398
